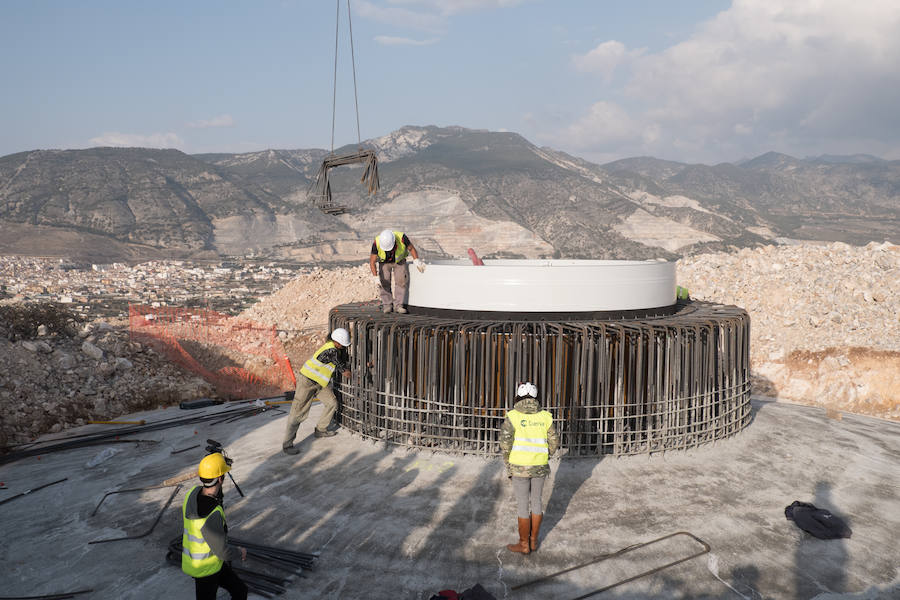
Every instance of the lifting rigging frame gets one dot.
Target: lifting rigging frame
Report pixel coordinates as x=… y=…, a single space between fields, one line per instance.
x=320 y=190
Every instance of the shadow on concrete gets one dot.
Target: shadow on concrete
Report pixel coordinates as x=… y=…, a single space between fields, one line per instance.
x=820 y=565
x=392 y=523
x=570 y=475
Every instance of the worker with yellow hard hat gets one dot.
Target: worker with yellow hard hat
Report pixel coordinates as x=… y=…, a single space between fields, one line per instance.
x=314 y=382
x=204 y=542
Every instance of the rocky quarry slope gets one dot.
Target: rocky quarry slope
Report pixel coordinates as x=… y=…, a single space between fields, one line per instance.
x=825 y=331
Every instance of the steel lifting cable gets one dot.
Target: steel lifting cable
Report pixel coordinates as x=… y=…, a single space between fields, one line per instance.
x=353 y=66
x=320 y=188
x=337 y=20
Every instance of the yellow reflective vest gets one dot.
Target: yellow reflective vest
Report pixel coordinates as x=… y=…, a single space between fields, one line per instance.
x=400 y=250
x=530 y=444
x=197 y=560
x=318 y=371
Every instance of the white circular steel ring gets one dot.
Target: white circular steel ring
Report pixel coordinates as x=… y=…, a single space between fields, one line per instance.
x=543 y=285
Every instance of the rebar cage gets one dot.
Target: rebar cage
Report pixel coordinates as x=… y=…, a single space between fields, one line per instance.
x=619 y=387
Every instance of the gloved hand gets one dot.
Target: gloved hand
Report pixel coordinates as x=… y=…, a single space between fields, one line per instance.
x=420 y=265
x=376 y=280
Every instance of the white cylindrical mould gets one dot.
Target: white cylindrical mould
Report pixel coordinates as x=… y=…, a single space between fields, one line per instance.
x=543 y=285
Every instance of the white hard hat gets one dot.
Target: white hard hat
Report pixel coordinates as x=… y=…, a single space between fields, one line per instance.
x=386 y=240
x=526 y=389
x=341 y=336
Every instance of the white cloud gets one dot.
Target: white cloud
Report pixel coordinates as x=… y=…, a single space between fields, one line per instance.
x=399 y=17
x=454 y=7
x=386 y=40
x=605 y=58
x=133 y=140
x=220 y=121
x=423 y=15
x=803 y=77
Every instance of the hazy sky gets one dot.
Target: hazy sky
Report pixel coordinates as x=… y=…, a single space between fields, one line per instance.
x=693 y=81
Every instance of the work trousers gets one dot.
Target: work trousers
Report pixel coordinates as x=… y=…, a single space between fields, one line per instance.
x=307 y=391
x=528 y=492
x=227 y=579
x=399 y=273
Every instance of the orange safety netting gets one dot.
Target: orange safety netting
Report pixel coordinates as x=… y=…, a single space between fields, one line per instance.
x=242 y=359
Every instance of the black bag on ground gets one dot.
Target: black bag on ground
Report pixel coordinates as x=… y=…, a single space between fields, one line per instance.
x=817 y=521
x=476 y=592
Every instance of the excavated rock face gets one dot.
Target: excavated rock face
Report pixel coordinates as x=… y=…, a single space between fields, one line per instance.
x=825 y=320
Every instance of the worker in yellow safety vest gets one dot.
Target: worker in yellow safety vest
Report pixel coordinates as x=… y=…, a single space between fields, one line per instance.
x=313 y=383
x=389 y=252
x=204 y=541
x=528 y=439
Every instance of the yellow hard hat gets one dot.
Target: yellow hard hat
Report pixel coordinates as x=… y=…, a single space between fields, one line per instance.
x=213 y=466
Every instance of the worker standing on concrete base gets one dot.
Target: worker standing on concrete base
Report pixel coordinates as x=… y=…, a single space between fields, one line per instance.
x=389 y=252
x=204 y=541
x=528 y=439
x=314 y=383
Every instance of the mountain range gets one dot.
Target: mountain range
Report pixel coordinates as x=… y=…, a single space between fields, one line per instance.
x=449 y=188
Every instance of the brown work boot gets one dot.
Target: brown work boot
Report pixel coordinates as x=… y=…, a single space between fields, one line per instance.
x=292 y=450
x=535 y=530
x=326 y=433
x=524 y=530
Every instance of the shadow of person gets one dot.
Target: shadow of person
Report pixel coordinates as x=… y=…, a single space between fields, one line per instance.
x=565 y=481
x=820 y=565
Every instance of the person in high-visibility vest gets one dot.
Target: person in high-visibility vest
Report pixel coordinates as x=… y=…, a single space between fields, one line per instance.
x=528 y=439
x=204 y=542
x=313 y=382
x=389 y=252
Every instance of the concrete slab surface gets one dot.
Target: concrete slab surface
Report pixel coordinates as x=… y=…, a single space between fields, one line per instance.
x=394 y=523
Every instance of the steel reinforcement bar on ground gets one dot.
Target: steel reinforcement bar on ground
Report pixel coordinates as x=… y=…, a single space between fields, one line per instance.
x=614 y=386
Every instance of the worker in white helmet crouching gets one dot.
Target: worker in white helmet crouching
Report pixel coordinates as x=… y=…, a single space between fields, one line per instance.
x=387 y=261
x=528 y=439
x=313 y=382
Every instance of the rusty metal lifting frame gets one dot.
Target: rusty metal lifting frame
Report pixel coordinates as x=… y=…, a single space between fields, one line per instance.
x=615 y=387
x=320 y=190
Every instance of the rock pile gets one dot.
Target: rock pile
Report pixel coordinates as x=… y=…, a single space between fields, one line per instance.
x=825 y=320
x=825 y=330
x=59 y=372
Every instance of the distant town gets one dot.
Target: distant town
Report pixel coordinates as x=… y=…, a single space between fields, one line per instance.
x=105 y=290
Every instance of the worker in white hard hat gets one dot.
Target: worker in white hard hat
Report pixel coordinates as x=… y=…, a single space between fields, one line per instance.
x=313 y=382
x=204 y=541
x=528 y=439
x=389 y=252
